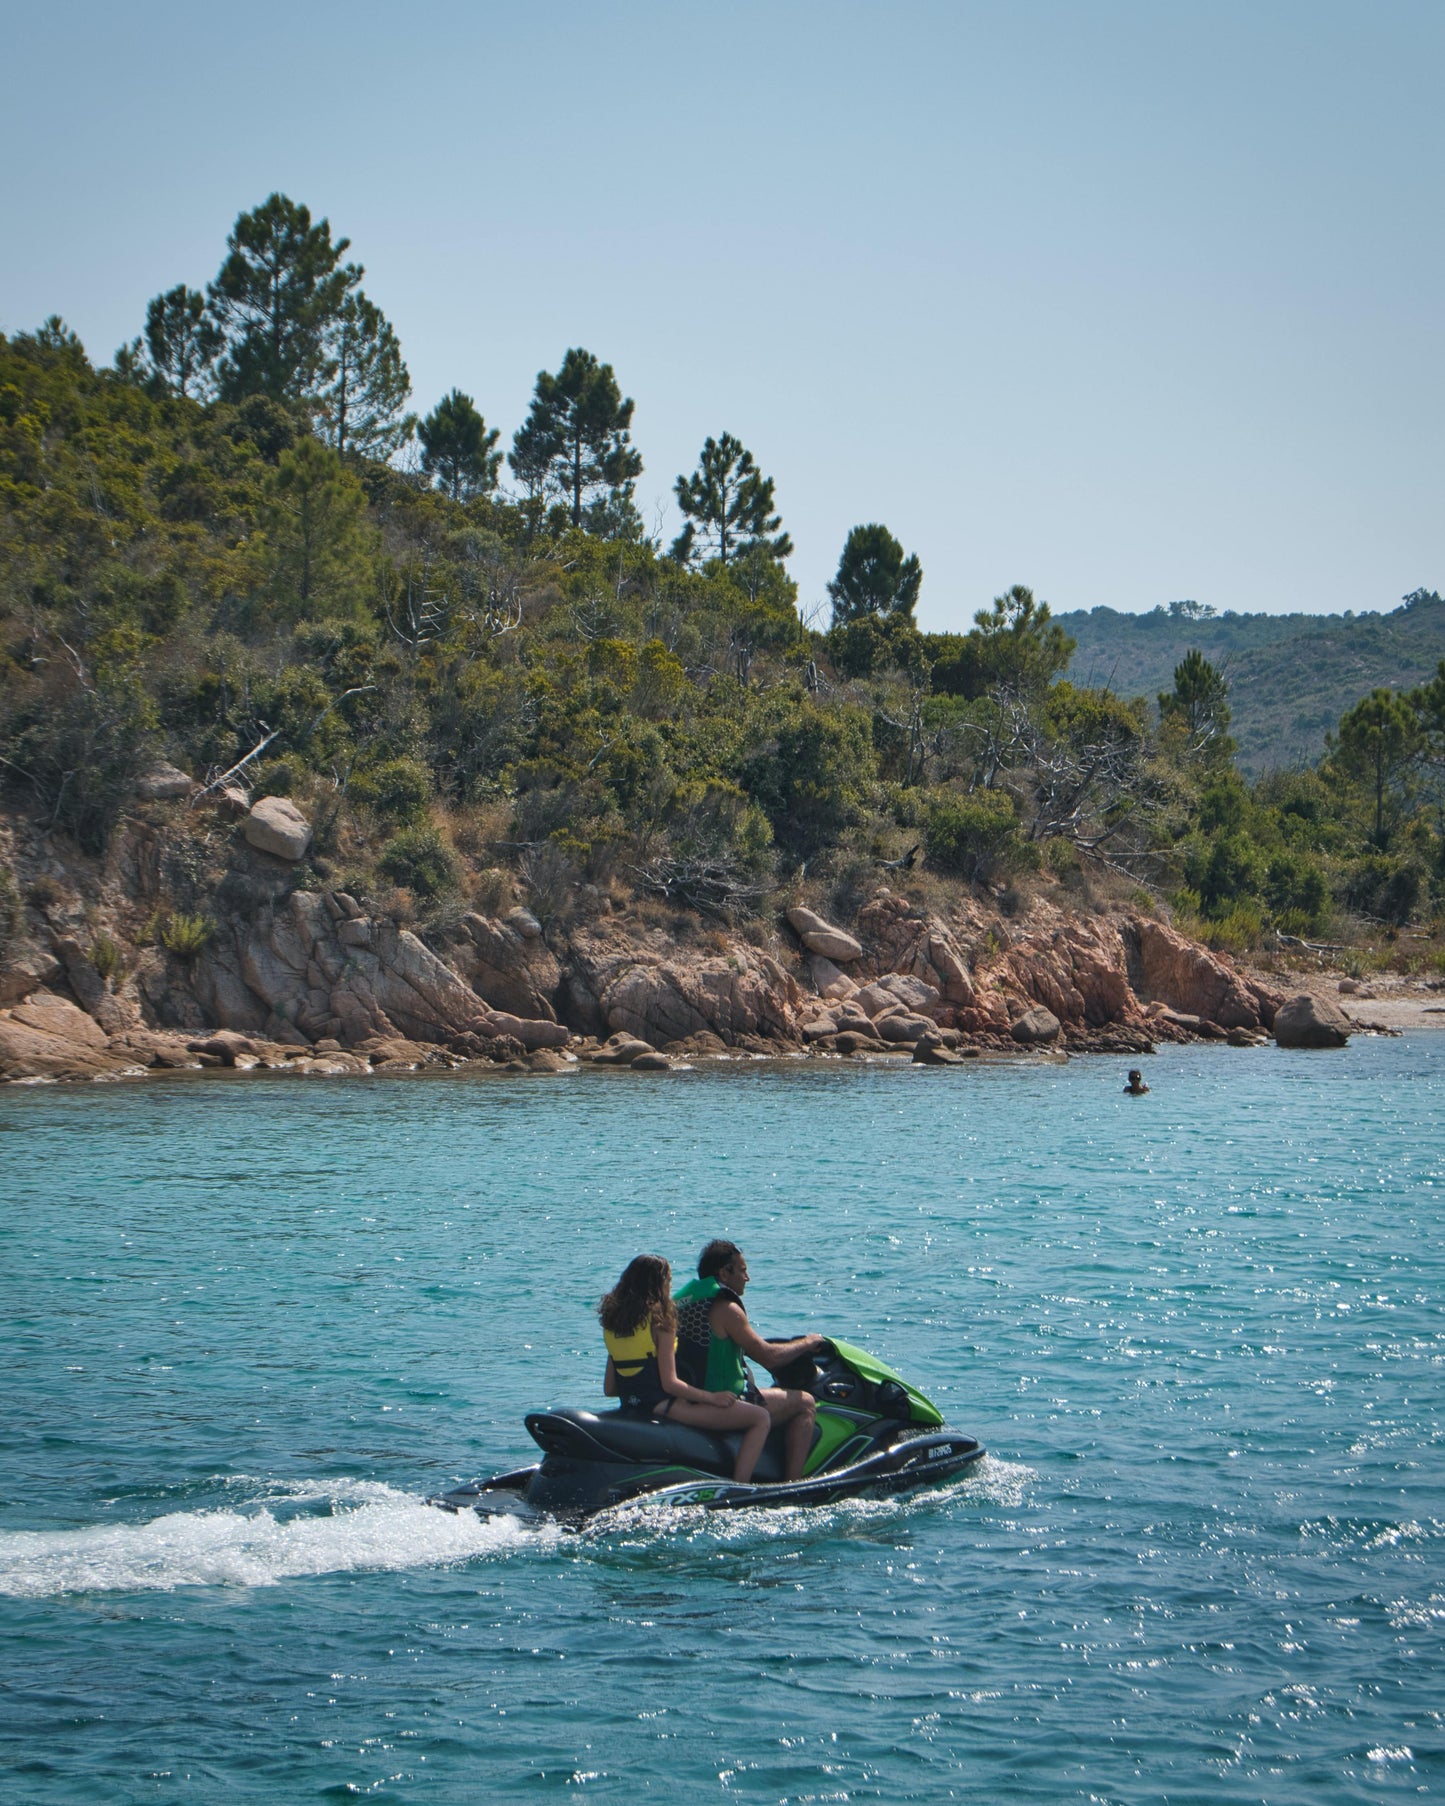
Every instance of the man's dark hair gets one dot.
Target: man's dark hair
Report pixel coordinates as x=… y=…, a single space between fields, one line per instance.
x=715 y=1257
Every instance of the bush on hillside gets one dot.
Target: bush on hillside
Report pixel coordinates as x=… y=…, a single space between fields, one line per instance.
x=421 y=861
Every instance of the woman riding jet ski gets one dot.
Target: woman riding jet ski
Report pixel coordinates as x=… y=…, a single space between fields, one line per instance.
x=840 y=1423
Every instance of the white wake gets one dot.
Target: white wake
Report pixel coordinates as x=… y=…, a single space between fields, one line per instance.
x=325 y=1527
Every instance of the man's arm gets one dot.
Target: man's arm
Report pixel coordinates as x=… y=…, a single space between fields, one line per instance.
x=731 y=1320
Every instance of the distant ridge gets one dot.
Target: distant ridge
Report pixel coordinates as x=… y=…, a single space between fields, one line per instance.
x=1290 y=677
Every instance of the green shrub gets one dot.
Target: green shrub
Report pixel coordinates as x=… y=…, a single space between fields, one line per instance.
x=1389 y=889
x=12 y=914
x=1294 y=885
x=1225 y=871
x=276 y=777
x=398 y=791
x=808 y=779
x=104 y=955
x=421 y=861
x=973 y=837
x=185 y=935
x=1238 y=932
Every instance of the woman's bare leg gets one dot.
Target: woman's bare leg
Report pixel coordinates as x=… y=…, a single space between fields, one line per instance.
x=753 y=1420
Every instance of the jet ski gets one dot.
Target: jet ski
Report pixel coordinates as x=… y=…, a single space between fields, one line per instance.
x=875 y=1434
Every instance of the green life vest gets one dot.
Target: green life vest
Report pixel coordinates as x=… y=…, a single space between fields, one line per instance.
x=716 y=1361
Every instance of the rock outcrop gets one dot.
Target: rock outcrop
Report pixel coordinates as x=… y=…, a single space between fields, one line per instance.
x=1309 y=1021
x=744 y=997
x=507 y=965
x=49 y=1037
x=1192 y=980
x=318 y=981
x=311 y=967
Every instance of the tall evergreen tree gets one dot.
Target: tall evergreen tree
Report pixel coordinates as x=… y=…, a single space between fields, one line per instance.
x=456 y=448
x=360 y=409
x=1020 y=645
x=730 y=501
x=1377 y=743
x=180 y=344
x=1199 y=705
x=575 y=441
x=317 y=533
x=874 y=577
x=275 y=297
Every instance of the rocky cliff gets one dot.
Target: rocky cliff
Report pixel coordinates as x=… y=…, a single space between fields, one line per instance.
x=99 y=978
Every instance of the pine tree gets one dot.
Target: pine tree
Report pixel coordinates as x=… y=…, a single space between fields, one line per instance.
x=874 y=577
x=317 y=533
x=729 y=499
x=275 y=298
x=1019 y=645
x=1199 y=704
x=456 y=448
x=180 y=345
x=360 y=410
x=1377 y=743
x=575 y=441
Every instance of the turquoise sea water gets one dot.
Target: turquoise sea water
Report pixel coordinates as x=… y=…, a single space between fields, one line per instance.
x=245 y=1326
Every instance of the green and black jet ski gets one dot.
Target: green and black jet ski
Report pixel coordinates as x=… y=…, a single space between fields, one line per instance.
x=875 y=1434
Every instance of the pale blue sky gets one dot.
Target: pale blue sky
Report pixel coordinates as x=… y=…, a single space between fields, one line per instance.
x=1126 y=301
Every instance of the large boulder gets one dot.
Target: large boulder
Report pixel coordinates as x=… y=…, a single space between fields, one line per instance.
x=1307 y=1021
x=820 y=1028
x=26 y=971
x=831 y=982
x=822 y=937
x=276 y=825
x=1036 y=1027
x=896 y=989
x=902 y=1028
x=532 y=1034
x=164 y=782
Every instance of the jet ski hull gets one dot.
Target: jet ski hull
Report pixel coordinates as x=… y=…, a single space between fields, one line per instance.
x=560 y=1487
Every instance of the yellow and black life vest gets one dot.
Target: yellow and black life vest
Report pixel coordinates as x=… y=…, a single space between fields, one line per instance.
x=634 y=1359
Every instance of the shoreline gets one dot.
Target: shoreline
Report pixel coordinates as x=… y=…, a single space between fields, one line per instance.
x=1407 y=1020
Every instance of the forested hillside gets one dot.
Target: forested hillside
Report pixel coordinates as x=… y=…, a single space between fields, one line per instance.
x=236 y=549
x=1290 y=677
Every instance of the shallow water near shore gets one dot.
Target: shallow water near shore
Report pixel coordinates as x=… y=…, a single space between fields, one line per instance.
x=247 y=1328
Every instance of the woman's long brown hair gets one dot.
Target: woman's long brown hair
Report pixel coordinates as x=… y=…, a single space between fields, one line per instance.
x=642 y=1295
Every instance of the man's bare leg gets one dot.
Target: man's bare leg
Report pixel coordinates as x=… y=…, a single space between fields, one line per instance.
x=798 y=1411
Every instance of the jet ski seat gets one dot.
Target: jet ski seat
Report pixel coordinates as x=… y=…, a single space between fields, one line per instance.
x=616 y=1436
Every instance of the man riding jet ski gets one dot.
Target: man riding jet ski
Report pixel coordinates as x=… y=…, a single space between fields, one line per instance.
x=843 y=1422
x=713 y=1335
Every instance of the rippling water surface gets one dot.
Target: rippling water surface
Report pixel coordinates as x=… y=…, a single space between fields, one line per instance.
x=246 y=1326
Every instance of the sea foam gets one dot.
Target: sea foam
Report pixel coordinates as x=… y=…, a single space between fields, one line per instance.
x=350 y=1527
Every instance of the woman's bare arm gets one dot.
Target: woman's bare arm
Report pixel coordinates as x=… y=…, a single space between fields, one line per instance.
x=676 y=1387
x=609 y=1381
